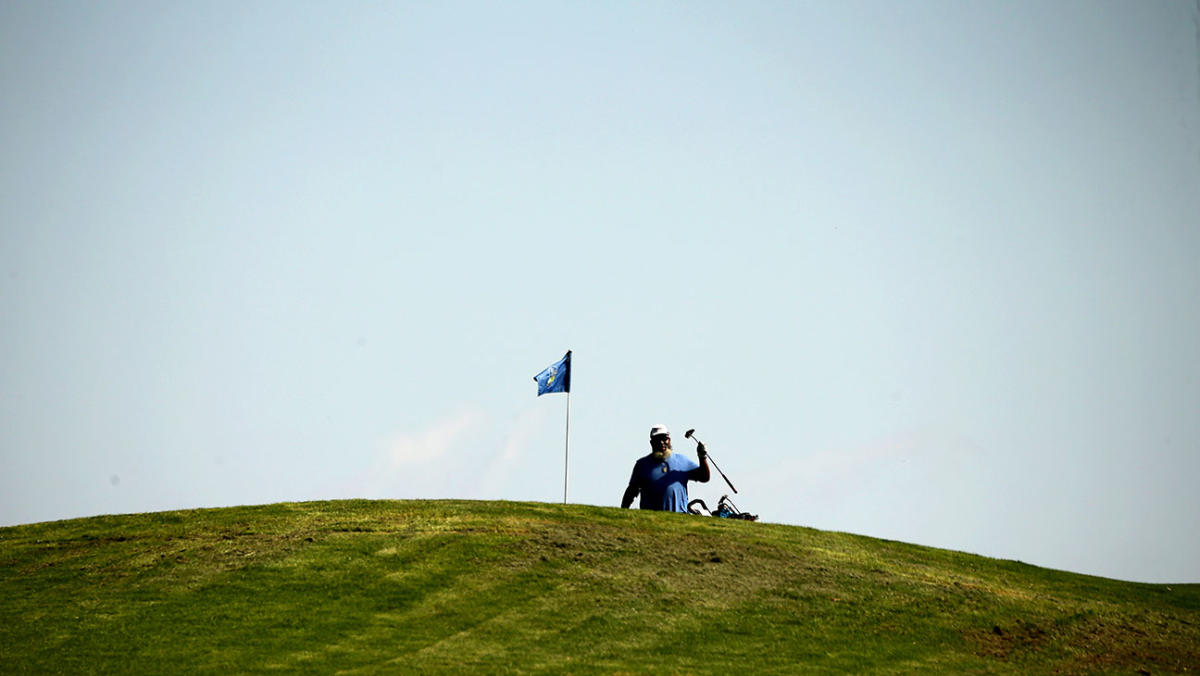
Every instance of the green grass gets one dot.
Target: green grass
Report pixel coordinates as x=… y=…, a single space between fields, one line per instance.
x=500 y=587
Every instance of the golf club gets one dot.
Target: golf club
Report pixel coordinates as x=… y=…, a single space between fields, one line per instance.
x=690 y=434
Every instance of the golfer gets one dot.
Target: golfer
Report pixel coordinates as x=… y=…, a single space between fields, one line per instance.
x=661 y=477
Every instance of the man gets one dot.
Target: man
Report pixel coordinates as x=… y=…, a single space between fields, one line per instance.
x=661 y=477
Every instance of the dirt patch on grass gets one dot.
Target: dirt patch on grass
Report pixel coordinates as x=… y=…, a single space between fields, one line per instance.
x=1089 y=643
x=1147 y=644
x=1003 y=642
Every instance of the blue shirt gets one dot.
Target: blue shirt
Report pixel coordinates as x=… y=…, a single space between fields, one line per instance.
x=663 y=483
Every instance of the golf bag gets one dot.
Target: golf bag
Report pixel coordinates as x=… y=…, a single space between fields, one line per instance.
x=725 y=510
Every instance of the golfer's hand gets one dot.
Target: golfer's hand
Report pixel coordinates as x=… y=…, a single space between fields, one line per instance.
x=701 y=451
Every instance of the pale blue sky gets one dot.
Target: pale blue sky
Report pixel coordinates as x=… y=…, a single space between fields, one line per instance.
x=924 y=271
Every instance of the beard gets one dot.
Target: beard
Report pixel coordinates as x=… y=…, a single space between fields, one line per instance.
x=661 y=455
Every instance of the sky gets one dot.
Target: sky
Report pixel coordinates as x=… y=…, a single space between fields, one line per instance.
x=922 y=271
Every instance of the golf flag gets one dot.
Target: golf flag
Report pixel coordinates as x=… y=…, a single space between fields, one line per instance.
x=556 y=377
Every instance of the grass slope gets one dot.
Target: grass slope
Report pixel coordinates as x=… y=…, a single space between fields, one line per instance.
x=498 y=587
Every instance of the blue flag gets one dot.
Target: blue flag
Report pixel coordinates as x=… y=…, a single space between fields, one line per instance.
x=556 y=377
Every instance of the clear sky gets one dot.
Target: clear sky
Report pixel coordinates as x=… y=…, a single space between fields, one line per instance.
x=923 y=271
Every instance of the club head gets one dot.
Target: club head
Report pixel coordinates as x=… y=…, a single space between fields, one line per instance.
x=688 y=434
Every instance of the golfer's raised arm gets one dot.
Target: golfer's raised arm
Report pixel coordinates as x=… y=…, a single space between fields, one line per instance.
x=702 y=473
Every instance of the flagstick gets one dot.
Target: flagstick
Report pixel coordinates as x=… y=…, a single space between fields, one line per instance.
x=567 y=452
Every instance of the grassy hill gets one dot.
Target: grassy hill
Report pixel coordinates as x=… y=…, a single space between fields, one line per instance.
x=499 y=587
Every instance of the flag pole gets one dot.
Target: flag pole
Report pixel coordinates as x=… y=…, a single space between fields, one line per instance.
x=567 y=451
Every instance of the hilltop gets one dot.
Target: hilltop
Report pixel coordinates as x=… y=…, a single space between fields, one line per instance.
x=502 y=587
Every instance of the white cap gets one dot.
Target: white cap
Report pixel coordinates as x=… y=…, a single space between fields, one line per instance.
x=659 y=430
